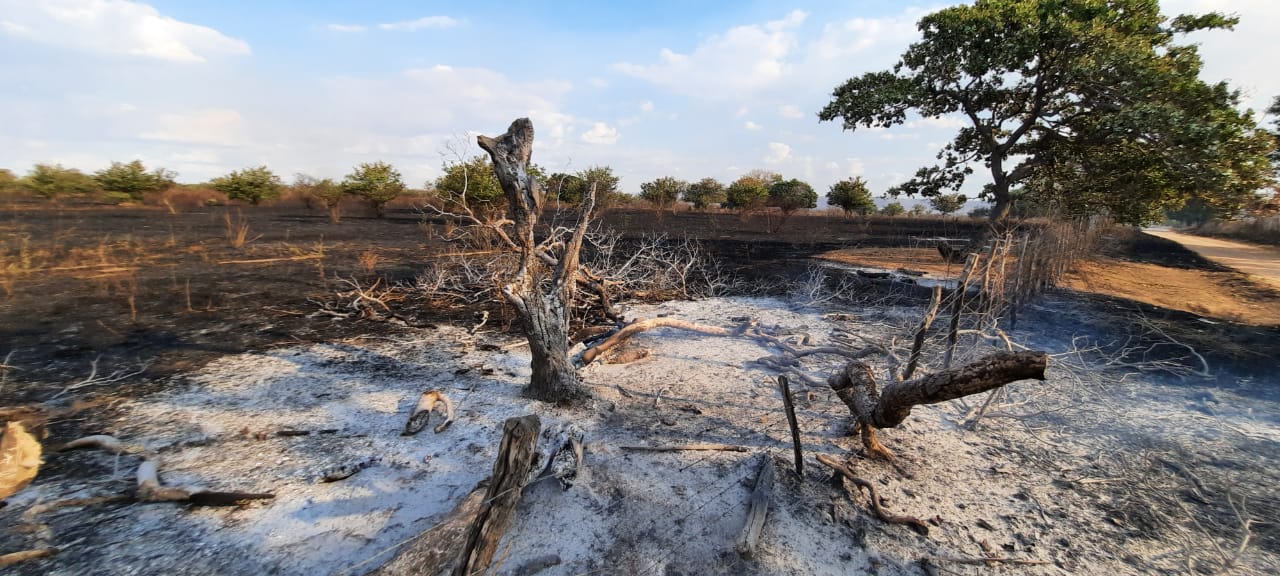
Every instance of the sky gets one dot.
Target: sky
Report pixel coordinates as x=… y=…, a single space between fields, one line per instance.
x=660 y=88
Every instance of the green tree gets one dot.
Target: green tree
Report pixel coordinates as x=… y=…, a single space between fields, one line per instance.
x=7 y=180
x=751 y=191
x=917 y=210
x=471 y=184
x=791 y=195
x=606 y=185
x=52 y=181
x=663 y=192
x=980 y=212
x=948 y=203
x=131 y=181
x=1274 y=112
x=893 y=209
x=252 y=185
x=704 y=193
x=1089 y=102
x=564 y=187
x=325 y=191
x=376 y=182
x=851 y=195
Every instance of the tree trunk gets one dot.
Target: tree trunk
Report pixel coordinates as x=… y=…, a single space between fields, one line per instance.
x=543 y=307
x=856 y=386
x=510 y=470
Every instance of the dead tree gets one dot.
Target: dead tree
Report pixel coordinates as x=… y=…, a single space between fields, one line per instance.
x=540 y=297
x=873 y=408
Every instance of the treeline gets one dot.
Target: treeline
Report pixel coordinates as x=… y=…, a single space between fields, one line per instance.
x=469 y=184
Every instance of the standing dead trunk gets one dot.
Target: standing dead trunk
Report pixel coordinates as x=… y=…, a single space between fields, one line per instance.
x=542 y=303
x=874 y=408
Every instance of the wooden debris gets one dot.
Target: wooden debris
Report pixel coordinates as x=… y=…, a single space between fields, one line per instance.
x=857 y=388
x=991 y=561
x=536 y=565
x=565 y=463
x=346 y=471
x=843 y=470
x=436 y=550
x=759 y=508
x=789 y=404
x=918 y=344
x=682 y=447
x=151 y=490
x=422 y=413
x=102 y=442
x=515 y=457
x=19 y=459
x=25 y=555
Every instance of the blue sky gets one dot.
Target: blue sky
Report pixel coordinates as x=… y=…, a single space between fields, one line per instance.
x=689 y=89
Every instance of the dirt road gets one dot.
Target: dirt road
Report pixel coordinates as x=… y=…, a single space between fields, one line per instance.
x=1262 y=262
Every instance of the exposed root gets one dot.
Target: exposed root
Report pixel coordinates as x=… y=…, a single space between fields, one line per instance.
x=911 y=521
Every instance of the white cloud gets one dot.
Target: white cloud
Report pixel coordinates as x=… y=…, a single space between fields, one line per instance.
x=646 y=106
x=743 y=59
x=219 y=126
x=790 y=112
x=600 y=133
x=778 y=153
x=438 y=22
x=421 y=23
x=752 y=125
x=115 y=27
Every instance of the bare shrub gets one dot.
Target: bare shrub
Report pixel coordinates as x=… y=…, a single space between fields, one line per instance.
x=236 y=228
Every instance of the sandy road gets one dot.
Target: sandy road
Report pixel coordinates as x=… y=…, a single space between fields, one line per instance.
x=1262 y=262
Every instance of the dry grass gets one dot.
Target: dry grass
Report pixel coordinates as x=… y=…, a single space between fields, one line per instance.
x=237 y=229
x=1262 y=230
x=368 y=261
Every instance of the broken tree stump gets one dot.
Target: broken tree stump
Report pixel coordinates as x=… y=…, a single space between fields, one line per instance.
x=436 y=550
x=789 y=405
x=510 y=470
x=873 y=408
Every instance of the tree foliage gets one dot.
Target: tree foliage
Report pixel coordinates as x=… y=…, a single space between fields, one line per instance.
x=132 y=181
x=663 y=192
x=751 y=191
x=377 y=183
x=791 y=195
x=851 y=195
x=7 y=180
x=325 y=191
x=52 y=181
x=606 y=185
x=1089 y=105
x=252 y=185
x=948 y=203
x=893 y=209
x=704 y=193
x=564 y=187
x=471 y=183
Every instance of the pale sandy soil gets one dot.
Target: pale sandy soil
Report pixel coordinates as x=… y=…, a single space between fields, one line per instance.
x=1259 y=262
x=1099 y=470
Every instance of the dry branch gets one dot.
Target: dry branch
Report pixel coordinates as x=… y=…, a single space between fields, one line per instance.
x=19 y=459
x=915 y=523
x=690 y=447
x=515 y=458
x=918 y=344
x=857 y=388
x=789 y=405
x=25 y=555
x=638 y=326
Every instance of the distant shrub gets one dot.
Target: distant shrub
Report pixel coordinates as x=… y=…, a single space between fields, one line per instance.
x=52 y=181
x=376 y=182
x=705 y=192
x=981 y=212
x=325 y=192
x=252 y=185
x=188 y=197
x=8 y=182
x=893 y=209
x=851 y=195
x=131 y=182
x=663 y=192
x=948 y=203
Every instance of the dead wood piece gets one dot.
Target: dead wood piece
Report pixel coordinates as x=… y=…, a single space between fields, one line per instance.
x=991 y=561
x=691 y=447
x=565 y=463
x=857 y=388
x=436 y=550
x=590 y=333
x=515 y=458
x=884 y=515
x=422 y=413
x=628 y=356
x=25 y=555
x=957 y=308
x=536 y=565
x=104 y=442
x=19 y=459
x=346 y=471
x=206 y=498
x=589 y=355
x=918 y=344
x=789 y=405
x=759 y=508
x=150 y=489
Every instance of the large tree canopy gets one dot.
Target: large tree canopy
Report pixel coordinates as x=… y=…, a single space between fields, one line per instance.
x=1086 y=105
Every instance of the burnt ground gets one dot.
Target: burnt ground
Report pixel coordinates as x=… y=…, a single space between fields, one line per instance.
x=84 y=283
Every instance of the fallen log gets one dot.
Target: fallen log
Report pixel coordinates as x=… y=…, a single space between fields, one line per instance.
x=589 y=355
x=691 y=447
x=857 y=388
x=510 y=470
